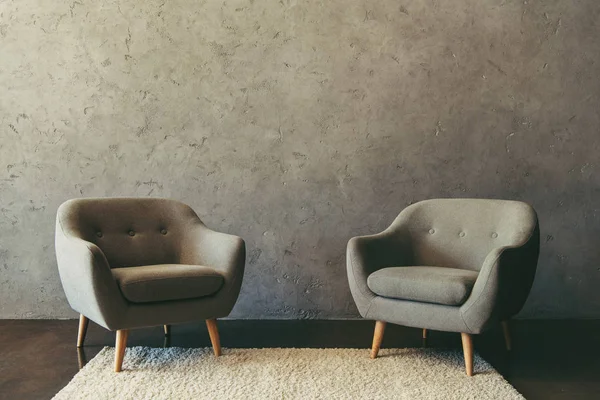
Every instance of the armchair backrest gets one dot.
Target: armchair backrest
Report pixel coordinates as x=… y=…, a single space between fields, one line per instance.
x=460 y=233
x=129 y=231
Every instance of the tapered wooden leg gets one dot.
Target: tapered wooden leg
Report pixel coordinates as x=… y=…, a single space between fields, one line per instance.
x=377 y=338
x=467 y=342
x=505 y=329
x=167 y=330
x=213 y=332
x=424 y=333
x=83 y=325
x=120 y=345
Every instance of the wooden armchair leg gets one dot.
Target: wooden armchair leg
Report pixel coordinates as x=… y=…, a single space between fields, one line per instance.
x=467 y=342
x=377 y=338
x=213 y=332
x=506 y=330
x=83 y=325
x=120 y=345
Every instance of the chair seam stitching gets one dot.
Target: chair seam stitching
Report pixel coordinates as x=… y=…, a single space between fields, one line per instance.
x=170 y=278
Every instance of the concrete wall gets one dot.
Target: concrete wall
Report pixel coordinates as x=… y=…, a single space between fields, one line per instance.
x=297 y=125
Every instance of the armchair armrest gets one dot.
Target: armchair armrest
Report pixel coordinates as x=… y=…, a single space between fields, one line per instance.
x=503 y=284
x=223 y=252
x=367 y=254
x=87 y=280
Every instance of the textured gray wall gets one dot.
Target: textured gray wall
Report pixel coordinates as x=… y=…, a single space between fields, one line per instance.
x=298 y=125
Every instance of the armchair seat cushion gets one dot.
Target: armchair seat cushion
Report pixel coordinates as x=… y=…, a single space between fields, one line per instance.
x=165 y=282
x=438 y=285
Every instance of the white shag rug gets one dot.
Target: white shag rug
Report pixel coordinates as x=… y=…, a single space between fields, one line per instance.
x=178 y=373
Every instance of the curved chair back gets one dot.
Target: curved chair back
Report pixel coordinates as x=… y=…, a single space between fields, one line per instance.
x=460 y=233
x=130 y=232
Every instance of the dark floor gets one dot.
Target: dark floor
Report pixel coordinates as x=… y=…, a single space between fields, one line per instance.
x=550 y=359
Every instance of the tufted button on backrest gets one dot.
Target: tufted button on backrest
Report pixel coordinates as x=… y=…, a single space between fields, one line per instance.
x=133 y=231
x=466 y=230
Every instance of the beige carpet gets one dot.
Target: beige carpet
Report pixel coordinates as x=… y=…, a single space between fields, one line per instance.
x=177 y=373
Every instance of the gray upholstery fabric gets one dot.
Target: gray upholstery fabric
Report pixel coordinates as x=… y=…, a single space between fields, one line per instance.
x=165 y=282
x=439 y=285
x=95 y=235
x=499 y=239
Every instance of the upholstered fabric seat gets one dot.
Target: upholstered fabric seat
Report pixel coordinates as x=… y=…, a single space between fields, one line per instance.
x=438 y=285
x=164 y=282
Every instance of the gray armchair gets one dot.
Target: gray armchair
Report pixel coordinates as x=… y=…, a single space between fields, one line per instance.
x=129 y=263
x=456 y=265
